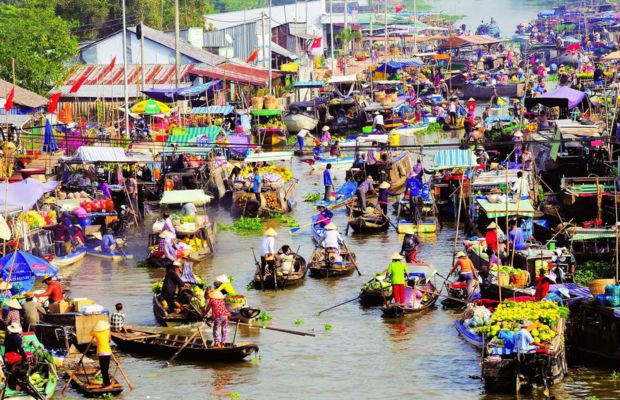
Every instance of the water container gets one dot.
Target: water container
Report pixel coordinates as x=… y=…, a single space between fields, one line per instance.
x=613 y=301
x=395 y=140
x=609 y=290
x=601 y=299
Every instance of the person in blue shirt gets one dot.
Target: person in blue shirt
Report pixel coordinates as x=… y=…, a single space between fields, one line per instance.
x=327 y=182
x=257 y=184
x=523 y=340
x=516 y=237
x=413 y=189
x=108 y=243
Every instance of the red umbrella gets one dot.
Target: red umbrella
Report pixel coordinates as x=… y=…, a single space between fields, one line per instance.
x=573 y=47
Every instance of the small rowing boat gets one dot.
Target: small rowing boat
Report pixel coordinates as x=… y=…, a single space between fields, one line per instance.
x=376 y=292
x=282 y=280
x=166 y=345
x=467 y=335
x=69 y=259
x=368 y=222
x=325 y=263
x=89 y=383
x=342 y=196
x=319 y=164
x=420 y=292
x=96 y=251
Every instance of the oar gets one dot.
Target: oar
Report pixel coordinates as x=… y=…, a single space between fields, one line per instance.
x=277 y=329
x=120 y=368
x=297 y=228
x=260 y=271
x=443 y=295
x=187 y=341
x=388 y=218
x=352 y=258
x=337 y=305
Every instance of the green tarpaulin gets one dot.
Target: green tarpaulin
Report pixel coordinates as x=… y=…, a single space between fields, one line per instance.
x=266 y=113
x=195 y=132
x=492 y=210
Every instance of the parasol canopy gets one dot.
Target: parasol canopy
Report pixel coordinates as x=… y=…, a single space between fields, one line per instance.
x=150 y=107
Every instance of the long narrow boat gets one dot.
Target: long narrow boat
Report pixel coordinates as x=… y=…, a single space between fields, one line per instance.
x=96 y=251
x=467 y=335
x=368 y=222
x=282 y=281
x=319 y=164
x=422 y=274
x=317 y=231
x=344 y=195
x=70 y=258
x=376 y=292
x=323 y=265
x=165 y=345
x=89 y=383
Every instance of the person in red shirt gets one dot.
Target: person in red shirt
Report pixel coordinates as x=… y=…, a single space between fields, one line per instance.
x=542 y=285
x=219 y=313
x=53 y=291
x=491 y=237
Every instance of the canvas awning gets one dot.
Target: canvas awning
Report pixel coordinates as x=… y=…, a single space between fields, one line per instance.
x=393 y=66
x=343 y=79
x=468 y=40
x=198 y=197
x=521 y=208
x=269 y=156
x=93 y=154
x=574 y=97
x=454 y=158
x=24 y=194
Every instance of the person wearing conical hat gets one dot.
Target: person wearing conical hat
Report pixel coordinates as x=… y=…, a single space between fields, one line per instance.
x=411 y=244
x=491 y=237
x=219 y=314
x=332 y=239
x=14 y=351
x=517 y=140
x=362 y=189
x=384 y=193
x=13 y=315
x=101 y=334
x=397 y=274
x=268 y=250
x=325 y=214
x=467 y=271
x=32 y=311
x=223 y=285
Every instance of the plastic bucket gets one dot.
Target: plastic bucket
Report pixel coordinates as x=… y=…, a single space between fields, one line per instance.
x=395 y=139
x=551 y=245
x=367 y=129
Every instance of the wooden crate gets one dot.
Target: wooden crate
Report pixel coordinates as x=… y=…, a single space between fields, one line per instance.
x=82 y=324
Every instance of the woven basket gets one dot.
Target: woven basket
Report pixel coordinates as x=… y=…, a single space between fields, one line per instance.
x=597 y=286
x=503 y=279
x=519 y=280
x=257 y=103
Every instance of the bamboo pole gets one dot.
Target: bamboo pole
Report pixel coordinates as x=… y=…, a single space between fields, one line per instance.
x=458 y=219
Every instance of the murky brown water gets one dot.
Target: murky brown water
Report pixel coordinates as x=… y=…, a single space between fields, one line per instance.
x=361 y=357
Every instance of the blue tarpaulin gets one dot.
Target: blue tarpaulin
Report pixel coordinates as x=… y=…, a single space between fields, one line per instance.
x=395 y=66
x=26 y=268
x=225 y=110
x=168 y=95
x=49 y=140
x=454 y=158
x=309 y=84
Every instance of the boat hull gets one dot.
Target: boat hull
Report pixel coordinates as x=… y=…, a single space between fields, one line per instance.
x=297 y=122
x=69 y=259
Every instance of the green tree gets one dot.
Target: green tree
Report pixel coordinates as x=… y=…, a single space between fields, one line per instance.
x=346 y=37
x=90 y=17
x=39 y=42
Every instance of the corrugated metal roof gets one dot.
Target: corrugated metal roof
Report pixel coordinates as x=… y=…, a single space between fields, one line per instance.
x=23 y=97
x=219 y=73
x=108 y=91
x=248 y=70
x=154 y=74
x=245 y=39
x=276 y=48
x=468 y=40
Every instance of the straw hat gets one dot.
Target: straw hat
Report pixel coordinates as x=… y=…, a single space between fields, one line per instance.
x=28 y=295
x=217 y=295
x=14 y=304
x=101 y=326
x=222 y=278
x=321 y=204
x=369 y=177
x=397 y=256
x=14 y=327
x=46 y=277
x=518 y=134
x=376 y=112
x=471 y=99
x=325 y=128
x=384 y=185
x=331 y=226
x=492 y=225
x=178 y=262
x=97 y=235
x=5 y=286
x=460 y=254
x=192 y=258
x=270 y=232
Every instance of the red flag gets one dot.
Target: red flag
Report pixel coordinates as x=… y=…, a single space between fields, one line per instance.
x=253 y=57
x=110 y=67
x=8 y=104
x=53 y=104
x=316 y=43
x=399 y=9
x=77 y=85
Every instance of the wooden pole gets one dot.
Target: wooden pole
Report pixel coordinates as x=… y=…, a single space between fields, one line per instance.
x=458 y=219
x=120 y=368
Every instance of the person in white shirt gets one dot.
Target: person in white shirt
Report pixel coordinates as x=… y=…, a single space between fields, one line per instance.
x=377 y=122
x=287 y=260
x=521 y=187
x=300 y=139
x=267 y=249
x=332 y=240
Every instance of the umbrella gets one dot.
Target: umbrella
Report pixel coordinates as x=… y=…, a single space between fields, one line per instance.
x=49 y=140
x=573 y=47
x=614 y=56
x=26 y=268
x=150 y=107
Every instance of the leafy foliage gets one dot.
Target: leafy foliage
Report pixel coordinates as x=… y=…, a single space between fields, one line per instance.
x=590 y=270
x=40 y=44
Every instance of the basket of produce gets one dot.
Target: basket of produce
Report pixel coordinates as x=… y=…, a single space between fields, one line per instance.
x=257 y=103
x=597 y=286
x=236 y=303
x=519 y=278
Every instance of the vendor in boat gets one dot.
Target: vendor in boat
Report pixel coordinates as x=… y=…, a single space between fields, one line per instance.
x=300 y=139
x=105 y=188
x=384 y=193
x=187 y=265
x=14 y=356
x=257 y=184
x=166 y=246
x=267 y=250
x=108 y=243
x=168 y=226
x=398 y=274
x=53 y=291
x=517 y=140
x=216 y=304
x=543 y=282
x=332 y=239
x=411 y=245
x=101 y=334
x=62 y=239
x=378 y=123
x=494 y=238
x=222 y=284
x=234 y=175
x=413 y=191
x=334 y=150
x=326 y=138
x=13 y=315
x=362 y=189
x=523 y=340
x=286 y=260
x=516 y=237
x=172 y=282
x=117 y=319
x=189 y=210
x=467 y=271
x=325 y=215
x=521 y=186
x=482 y=157
x=32 y=311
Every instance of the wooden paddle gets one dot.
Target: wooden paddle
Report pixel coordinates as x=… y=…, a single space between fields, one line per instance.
x=297 y=228
x=260 y=271
x=120 y=368
x=276 y=329
x=388 y=218
x=338 y=305
x=187 y=341
x=352 y=258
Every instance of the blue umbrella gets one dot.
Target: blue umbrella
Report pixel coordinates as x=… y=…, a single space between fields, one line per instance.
x=26 y=269
x=49 y=141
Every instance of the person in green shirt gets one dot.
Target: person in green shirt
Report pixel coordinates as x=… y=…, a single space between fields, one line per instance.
x=398 y=274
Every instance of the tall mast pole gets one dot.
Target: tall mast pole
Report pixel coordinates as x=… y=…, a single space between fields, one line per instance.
x=177 y=42
x=270 y=56
x=125 y=88
x=331 y=33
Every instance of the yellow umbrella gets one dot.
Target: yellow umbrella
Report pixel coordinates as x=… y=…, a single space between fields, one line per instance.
x=150 y=107
x=614 y=56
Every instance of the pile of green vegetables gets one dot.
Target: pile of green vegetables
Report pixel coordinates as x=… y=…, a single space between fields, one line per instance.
x=312 y=197
x=591 y=270
x=244 y=225
x=431 y=129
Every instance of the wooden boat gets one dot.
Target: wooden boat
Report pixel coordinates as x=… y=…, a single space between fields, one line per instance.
x=409 y=130
x=45 y=368
x=376 y=292
x=322 y=264
x=344 y=195
x=165 y=345
x=421 y=274
x=368 y=222
x=295 y=122
x=468 y=336
x=265 y=133
x=592 y=333
x=281 y=200
x=506 y=372
x=486 y=92
x=88 y=382
x=95 y=251
x=427 y=222
x=69 y=259
x=320 y=163
x=282 y=281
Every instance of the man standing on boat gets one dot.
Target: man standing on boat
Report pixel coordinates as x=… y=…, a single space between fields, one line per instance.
x=300 y=139
x=398 y=274
x=332 y=240
x=172 y=281
x=53 y=291
x=257 y=184
x=268 y=250
x=362 y=189
x=411 y=245
x=327 y=182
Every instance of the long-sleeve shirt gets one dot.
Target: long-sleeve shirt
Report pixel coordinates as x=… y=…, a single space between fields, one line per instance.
x=172 y=281
x=13 y=343
x=410 y=243
x=12 y=316
x=217 y=307
x=364 y=187
x=332 y=238
x=327 y=178
x=53 y=292
x=397 y=271
x=32 y=312
x=102 y=340
x=268 y=246
x=413 y=186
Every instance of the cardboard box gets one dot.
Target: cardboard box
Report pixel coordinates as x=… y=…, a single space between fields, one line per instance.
x=79 y=303
x=60 y=307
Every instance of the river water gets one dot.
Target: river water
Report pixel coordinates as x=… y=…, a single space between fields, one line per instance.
x=362 y=356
